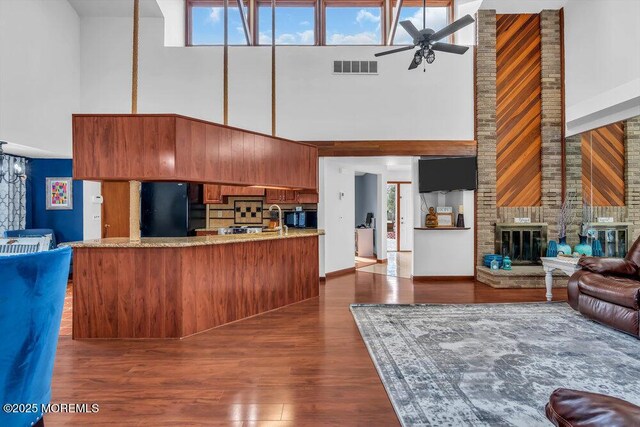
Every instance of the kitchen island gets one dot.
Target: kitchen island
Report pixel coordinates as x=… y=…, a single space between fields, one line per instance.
x=176 y=287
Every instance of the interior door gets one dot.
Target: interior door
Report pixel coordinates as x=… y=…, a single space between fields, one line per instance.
x=405 y=218
x=115 y=209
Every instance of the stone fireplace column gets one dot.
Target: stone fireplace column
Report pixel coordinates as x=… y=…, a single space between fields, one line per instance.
x=551 y=77
x=573 y=185
x=486 y=132
x=632 y=174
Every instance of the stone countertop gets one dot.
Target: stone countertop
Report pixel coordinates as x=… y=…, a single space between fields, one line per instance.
x=178 y=242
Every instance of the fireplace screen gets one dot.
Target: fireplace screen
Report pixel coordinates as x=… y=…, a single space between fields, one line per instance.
x=524 y=244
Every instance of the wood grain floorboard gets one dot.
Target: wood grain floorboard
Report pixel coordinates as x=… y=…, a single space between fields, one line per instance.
x=302 y=365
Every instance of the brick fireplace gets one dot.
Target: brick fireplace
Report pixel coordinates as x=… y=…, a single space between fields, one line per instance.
x=519 y=133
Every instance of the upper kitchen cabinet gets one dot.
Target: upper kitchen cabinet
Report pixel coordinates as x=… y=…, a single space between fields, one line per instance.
x=169 y=147
x=214 y=193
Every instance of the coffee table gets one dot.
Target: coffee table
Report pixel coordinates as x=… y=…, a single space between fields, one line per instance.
x=567 y=265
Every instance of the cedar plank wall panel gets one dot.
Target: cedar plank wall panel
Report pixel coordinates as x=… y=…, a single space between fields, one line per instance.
x=518 y=110
x=607 y=174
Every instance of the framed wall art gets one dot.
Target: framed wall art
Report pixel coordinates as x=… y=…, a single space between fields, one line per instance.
x=445 y=219
x=59 y=193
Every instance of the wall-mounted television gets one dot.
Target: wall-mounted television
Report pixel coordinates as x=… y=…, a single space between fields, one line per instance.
x=447 y=174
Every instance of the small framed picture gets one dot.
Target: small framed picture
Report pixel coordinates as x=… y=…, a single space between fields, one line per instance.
x=59 y=193
x=445 y=219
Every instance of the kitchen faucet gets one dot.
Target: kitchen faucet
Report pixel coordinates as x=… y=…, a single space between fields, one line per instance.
x=281 y=227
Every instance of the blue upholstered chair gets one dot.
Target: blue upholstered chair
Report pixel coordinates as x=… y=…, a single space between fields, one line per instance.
x=33 y=232
x=32 y=291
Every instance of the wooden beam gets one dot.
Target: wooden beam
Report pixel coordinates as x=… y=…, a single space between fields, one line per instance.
x=273 y=67
x=134 y=186
x=394 y=148
x=225 y=66
x=134 y=60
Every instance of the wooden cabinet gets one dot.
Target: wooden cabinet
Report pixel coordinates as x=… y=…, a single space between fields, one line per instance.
x=170 y=147
x=214 y=193
x=290 y=196
x=307 y=197
x=280 y=196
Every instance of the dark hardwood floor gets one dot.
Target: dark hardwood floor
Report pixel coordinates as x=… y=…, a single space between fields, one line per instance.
x=302 y=365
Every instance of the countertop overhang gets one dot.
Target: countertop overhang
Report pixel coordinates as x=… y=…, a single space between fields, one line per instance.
x=178 y=242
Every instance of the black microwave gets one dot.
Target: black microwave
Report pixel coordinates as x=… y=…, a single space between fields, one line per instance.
x=301 y=219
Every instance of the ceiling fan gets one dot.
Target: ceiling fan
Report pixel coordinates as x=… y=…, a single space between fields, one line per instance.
x=427 y=40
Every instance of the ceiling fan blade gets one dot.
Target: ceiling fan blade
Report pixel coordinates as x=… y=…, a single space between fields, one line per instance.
x=400 y=49
x=450 y=48
x=413 y=64
x=452 y=28
x=412 y=30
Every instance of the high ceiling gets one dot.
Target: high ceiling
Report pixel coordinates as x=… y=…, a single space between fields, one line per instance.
x=115 y=8
x=522 y=6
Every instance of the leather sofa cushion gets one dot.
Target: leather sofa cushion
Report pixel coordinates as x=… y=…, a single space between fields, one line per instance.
x=614 y=266
x=613 y=315
x=573 y=408
x=614 y=289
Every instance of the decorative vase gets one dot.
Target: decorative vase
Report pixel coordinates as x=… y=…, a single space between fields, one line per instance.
x=506 y=263
x=596 y=248
x=583 y=248
x=563 y=248
x=552 y=249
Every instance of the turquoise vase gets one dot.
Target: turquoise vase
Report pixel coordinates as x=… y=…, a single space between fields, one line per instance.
x=506 y=263
x=596 y=247
x=583 y=248
x=552 y=249
x=563 y=248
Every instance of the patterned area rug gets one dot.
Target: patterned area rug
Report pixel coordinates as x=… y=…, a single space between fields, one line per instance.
x=492 y=364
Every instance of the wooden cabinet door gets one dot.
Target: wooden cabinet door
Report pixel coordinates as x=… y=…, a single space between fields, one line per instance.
x=212 y=193
x=307 y=197
x=289 y=196
x=273 y=196
x=115 y=209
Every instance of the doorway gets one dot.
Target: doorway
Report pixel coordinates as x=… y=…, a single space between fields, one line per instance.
x=398 y=216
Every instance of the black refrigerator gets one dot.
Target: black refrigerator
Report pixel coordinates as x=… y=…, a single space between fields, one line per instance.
x=171 y=209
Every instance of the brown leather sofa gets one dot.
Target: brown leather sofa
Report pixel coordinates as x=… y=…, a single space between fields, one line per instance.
x=607 y=290
x=573 y=408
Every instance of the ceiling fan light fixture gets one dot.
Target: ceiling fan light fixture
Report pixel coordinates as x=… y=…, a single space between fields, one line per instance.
x=417 y=58
x=430 y=56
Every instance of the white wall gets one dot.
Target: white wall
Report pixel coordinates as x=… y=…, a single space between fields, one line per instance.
x=174 y=21
x=315 y=104
x=312 y=102
x=467 y=35
x=92 y=211
x=602 y=62
x=39 y=75
x=439 y=252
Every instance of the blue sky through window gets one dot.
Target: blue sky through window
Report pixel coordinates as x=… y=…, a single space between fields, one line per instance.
x=437 y=18
x=294 y=25
x=208 y=26
x=353 y=25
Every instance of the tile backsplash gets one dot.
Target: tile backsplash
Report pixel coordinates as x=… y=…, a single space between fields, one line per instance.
x=255 y=210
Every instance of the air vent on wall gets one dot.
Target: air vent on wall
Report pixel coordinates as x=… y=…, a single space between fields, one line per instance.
x=355 y=67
